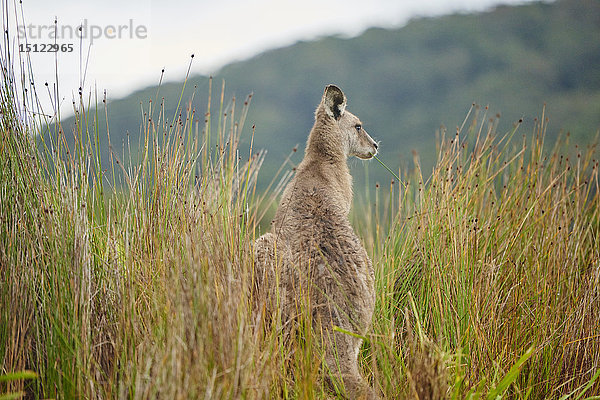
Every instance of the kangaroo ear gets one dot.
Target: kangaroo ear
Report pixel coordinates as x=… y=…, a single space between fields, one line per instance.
x=334 y=101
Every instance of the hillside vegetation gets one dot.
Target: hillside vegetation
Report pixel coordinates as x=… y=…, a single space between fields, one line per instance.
x=406 y=83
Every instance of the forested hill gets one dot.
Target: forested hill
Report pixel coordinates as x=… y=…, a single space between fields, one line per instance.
x=405 y=83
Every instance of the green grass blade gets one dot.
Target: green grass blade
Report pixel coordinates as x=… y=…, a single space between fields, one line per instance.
x=389 y=170
x=511 y=376
x=11 y=396
x=15 y=376
x=584 y=388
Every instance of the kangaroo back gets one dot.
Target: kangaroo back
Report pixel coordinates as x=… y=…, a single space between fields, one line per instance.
x=313 y=249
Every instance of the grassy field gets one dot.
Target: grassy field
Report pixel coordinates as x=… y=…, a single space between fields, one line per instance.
x=132 y=280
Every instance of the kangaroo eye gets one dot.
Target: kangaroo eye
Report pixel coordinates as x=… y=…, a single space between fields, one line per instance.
x=358 y=127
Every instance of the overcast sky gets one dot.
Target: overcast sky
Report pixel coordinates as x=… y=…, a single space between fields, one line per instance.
x=133 y=40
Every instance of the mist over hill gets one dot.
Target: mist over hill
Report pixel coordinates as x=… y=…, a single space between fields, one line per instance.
x=407 y=83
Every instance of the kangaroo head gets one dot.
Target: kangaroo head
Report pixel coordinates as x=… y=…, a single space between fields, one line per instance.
x=355 y=139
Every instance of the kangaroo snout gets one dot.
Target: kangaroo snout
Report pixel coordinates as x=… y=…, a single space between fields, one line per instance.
x=368 y=148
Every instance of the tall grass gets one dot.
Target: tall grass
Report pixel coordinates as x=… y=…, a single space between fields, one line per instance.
x=127 y=280
x=497 y=256
x=132 y=279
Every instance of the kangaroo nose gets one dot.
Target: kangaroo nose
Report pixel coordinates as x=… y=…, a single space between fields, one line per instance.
x=376 y=146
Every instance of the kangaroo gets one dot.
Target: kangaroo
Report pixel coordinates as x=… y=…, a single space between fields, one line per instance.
x=315 y=249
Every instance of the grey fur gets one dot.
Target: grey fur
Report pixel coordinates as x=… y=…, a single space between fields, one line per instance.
x=313 y=249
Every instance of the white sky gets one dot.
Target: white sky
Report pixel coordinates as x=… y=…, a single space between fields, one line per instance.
x=217 y=32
